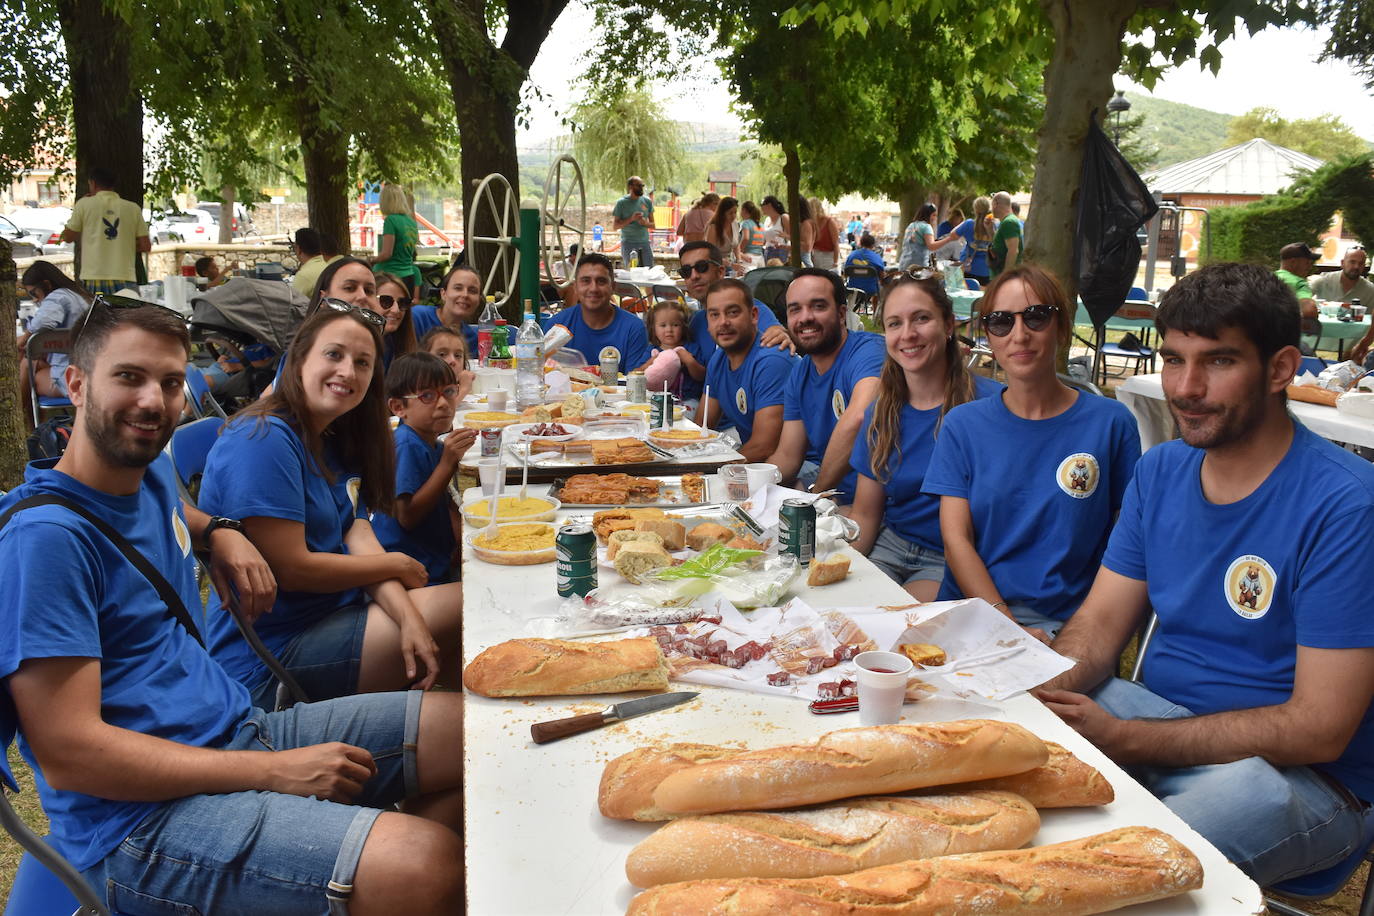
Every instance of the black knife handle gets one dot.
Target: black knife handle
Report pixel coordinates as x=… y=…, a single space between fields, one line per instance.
x=544 y=732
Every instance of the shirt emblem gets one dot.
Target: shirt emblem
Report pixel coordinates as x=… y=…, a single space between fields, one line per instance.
x=1078 y=475
x=1249 y=586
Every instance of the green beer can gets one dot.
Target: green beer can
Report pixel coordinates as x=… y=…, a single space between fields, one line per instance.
x=575 y=554
x=797 y=529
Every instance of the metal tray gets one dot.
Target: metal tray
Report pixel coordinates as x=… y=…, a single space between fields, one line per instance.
x=670 y=495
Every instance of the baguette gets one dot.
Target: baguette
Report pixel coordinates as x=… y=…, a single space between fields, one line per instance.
x=1096 y=874
x=619 y=539
x=1063 y=782
x=637 y=559
x=553 y=667
x=628 y=782
x=853 y=761
x=838 y=839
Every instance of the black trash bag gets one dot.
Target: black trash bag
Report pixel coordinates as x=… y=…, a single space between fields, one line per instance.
x=1112 y=204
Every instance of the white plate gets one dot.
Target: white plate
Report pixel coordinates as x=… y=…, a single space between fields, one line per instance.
x=515 y=433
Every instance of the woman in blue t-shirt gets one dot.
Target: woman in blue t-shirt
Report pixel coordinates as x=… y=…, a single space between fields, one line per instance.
x=1030 y=482
x=922 y=378
x=301 y=468
x=398 y=336
x=460 y=306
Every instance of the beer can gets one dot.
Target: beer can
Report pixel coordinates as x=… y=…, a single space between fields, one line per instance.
x=610 y=370
x=797 y=529
x=660 y=406
x=575 y=560
x=637 y=387
x=491 y=442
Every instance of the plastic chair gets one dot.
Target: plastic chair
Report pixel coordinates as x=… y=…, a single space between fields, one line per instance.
x=198 y=395
x=1138 y=294
x=972 y=284
x=1140 y=355
x=41 y=345
x=859 y=298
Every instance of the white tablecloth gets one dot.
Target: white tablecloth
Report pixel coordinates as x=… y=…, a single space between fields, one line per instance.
x=537 y=844
x=1144 y=395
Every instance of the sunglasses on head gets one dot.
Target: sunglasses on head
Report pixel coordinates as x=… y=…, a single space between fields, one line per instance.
x=338 y=305
x=116 y=302
x=398 y=301
x=430 y=397
x=699 y=267
x=1036 y=318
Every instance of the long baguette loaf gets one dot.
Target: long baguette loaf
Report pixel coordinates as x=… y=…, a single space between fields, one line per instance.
x=853 y=761
x=628 y=782
x=1063 y=782
x=833 y=840
x=1096 y=874
x=551 y=667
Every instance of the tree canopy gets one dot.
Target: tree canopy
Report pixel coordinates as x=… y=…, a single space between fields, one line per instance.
x=616 y=136
x=1327 y=137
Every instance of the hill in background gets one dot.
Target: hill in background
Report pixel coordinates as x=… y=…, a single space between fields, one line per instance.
x=1181 y=132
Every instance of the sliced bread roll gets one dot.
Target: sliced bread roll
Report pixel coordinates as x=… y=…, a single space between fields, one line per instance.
x=637 y=559
x=674 y=534
x=706 y=534
x=832 y=840
x=829 y=571
x=553 y=667
x=628 y=782
x=619 y=539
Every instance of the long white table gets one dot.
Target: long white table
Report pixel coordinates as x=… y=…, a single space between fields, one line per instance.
x=1144 y=396
x=536 y=843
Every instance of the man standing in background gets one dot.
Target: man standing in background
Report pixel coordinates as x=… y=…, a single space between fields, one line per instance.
x=111 y=232
x=634 y=217
x=1005 y=251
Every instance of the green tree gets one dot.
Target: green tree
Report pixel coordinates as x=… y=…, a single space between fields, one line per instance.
x=1352 y=35
x=1326 y=137
x=1136 y=143
x=627 y=134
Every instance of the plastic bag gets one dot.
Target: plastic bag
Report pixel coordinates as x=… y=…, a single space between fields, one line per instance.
x=744 y=588
x=591 y=616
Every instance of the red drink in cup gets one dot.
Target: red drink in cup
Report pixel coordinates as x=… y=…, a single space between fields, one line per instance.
x=882 y=681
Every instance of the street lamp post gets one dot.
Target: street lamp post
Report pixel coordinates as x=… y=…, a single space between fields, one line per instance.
x=1118 y=106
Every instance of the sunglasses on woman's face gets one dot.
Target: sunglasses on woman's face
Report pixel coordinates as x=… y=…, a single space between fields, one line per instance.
x=431 y=397
x=338 y=305
x=387 y=302
x=1036 y=318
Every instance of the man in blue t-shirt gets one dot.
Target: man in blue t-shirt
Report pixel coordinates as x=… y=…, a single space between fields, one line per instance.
x=1253 y=720
x=828 y=390
x=599 y=327
x=160 y=781
x=702 y=265
x=634 y=217
x=865 y=255
x=745 y=377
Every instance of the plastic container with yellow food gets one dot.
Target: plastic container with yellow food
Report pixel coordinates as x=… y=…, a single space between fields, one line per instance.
x=510 y=509
x=680 y=438
x=490 y=419
x=514 y=544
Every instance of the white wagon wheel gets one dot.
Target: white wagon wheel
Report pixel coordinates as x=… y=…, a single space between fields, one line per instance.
x=562 y=217
x=496 y=257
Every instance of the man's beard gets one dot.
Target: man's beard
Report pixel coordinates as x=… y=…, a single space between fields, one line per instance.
x=829 y=341
x=104 y=428
x=1227 y=425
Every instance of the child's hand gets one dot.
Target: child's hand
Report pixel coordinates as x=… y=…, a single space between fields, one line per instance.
x=457 y=444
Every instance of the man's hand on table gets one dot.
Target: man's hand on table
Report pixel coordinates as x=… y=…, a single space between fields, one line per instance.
x=1090 y=720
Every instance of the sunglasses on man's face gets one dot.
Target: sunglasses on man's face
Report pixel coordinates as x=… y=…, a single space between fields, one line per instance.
x=116 y=302
x=338 y=305
x=431 y=397
x=1035 y=317
x=699 y=267
x=402 y=302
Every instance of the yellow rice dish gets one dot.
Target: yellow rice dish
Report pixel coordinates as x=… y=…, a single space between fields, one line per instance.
x=508 y=508
x=516 y=544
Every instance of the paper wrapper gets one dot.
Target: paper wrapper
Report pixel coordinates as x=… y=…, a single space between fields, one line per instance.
x=797 y=631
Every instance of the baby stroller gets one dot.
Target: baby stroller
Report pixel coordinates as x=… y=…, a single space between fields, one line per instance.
x=250 y=321
x=770 y=287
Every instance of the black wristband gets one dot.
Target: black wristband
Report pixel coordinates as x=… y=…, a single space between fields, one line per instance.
x=219 y=521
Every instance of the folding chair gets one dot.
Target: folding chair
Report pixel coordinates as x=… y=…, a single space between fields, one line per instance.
x=972 y=284
x=1131 y=311
x=199 y=397
x=632 y=298
x=671 y=292
x=40 y=346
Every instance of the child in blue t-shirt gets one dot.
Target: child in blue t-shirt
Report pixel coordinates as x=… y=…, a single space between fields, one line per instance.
x=421 y=390
x=452 y=347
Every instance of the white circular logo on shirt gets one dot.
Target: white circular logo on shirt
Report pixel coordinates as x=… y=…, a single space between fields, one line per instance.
x=1078 y=475
x=182 y=533
x=837 y=404
x=741 y=401
x=1249 y=586
x=609 y=353
x=355 y=484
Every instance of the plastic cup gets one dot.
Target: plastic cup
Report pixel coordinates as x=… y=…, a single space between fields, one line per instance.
x=492 y=475
x=761 y=474
x=496 y=398
x=882 y=681
x=736 y=479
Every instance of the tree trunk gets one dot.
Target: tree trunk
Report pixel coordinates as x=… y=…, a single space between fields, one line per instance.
x=909 y=196
x=12 y=450
x=1078 y=78
x=227 y=195
x=324 y=154
x=791 y=170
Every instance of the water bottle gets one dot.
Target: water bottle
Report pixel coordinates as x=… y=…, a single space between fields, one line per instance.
x=529 y=361
x=484 y=328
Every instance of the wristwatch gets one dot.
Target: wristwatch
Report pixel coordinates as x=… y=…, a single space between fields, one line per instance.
x=219 y=521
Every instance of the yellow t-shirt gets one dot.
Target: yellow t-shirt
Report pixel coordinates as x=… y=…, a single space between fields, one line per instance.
x=309 y=274
x=110 y=228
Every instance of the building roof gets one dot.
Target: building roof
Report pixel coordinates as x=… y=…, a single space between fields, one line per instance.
x=1257 y=167
x=723 y=177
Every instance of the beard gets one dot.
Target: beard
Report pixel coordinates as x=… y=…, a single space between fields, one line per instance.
x=828 y=342
x=1225 y=424
x=113 y=444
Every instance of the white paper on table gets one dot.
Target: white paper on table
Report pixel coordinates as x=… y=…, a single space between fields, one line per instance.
x=557 y=384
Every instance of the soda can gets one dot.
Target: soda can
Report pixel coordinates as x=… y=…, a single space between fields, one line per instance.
x=797 y=529
x=660 y=406
x=575 y=560
x=637 y=387
x=491 y=442
x=610 y=370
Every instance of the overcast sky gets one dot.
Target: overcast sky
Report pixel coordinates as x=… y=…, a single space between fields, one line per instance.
x=1276 y=68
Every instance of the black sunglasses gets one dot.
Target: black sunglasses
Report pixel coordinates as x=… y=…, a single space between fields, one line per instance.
x=399 y=301
x=448 y=393
x=1036 y=318
x=700 y=267
x=116 y=302
x=338 y=305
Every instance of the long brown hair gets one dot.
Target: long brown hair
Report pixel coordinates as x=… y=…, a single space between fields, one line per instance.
x=983 y=231
x=360 y=437
x=884 y=432
x=403 y=338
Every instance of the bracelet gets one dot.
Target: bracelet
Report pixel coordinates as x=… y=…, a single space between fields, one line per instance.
x=1001 y=604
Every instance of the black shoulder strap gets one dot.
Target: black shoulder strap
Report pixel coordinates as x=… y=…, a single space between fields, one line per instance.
x=176 y=608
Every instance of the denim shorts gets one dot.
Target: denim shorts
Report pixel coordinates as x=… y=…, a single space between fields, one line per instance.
x=905 y=561
x=324 y=659
x=263 y=852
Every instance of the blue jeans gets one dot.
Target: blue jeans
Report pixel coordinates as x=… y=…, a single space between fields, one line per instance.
x=904 y=561
x=263 y=852
x=1029 y=617
x=1274 y=823
x=324 y=659
x=645 y=249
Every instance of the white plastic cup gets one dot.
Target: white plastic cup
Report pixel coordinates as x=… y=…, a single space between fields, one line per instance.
x=882 y=681
x=496 y=398
x=492 y=475
x=761 y=474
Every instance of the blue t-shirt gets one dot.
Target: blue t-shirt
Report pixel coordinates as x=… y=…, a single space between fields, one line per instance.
x=1042 y=494
x=67 y=592
x=756 y=384
x=965 y=231
x=703 y=345
x=262 y=469
x=819 y=399
x=425 y=318
x=913 y=515
x=625 y=335
x=870 y=257
x=431 y=542
x=1239 y=587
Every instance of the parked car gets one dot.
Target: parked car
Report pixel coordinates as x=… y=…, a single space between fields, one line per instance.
x=194 y=225
x=242 y=222
x=22 y=243
x=45 y=225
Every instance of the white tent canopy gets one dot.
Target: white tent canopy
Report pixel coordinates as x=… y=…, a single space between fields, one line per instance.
x=1257 y=167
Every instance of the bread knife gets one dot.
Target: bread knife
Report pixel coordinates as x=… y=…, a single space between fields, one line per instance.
x=544 y=732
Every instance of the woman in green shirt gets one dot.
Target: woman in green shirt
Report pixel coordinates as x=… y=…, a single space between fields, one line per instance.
x=400 y=235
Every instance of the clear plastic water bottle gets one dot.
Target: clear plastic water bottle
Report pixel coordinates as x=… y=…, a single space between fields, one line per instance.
x=485 y=324
x=529 y=361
